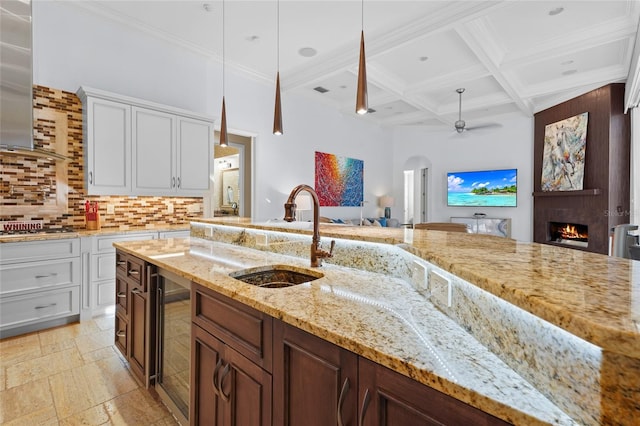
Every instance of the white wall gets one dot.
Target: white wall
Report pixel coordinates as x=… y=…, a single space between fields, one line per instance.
x=73 y=48
x=510 y=146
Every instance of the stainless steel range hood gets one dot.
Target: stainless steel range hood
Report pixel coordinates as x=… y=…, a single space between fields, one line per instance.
x=16 y=81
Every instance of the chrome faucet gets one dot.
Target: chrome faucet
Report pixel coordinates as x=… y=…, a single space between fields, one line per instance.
x=317 y=254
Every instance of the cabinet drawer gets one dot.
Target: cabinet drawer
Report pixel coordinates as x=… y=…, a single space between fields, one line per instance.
x=245 y=329
x=30 y=276
x=104 y=244
x=121 y=296
x=121 y=335
x=135 y=271
x=39 y=250
x=31 y=308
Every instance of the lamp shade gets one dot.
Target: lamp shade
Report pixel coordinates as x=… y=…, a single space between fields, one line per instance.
x=303 y=202
x=385 y=201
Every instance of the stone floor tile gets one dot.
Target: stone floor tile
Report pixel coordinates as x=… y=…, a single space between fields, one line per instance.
x=42 y=367
x=29 y=404
x=19 y=348
x=92 y=384
x=94 y=341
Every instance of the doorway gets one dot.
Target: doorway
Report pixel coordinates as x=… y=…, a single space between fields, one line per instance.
x=416 y=197
x=416 y=173
x=230 y=193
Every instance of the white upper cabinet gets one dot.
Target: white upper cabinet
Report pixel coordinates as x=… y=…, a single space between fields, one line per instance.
x=195 y=137
x=135 y=147
x=154 y=152
x=107 y=136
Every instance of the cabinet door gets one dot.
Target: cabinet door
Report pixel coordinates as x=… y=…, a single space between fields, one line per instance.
x=153 y=152
x=138 y=328
x=205 y=406
x=107 y=147
x=194 y=156
x=315 y=382
x=227 y=388
x=391 y=399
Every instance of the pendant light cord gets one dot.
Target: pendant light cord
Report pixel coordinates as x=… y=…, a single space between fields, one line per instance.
x=362 y=15
x=223 y=53
x=278 y=35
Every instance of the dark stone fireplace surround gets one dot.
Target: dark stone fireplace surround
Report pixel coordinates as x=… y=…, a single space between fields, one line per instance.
x=604 y=201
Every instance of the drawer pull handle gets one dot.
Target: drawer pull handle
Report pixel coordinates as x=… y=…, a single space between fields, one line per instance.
x=225 y=372
x=122 y=295
x=365 y=404
x=133 y=272
x=121 y=262
x=343 y=394
x=53 y=274
x=50 y=305
x=216 y=389
x=136 y=291
x=121 y=333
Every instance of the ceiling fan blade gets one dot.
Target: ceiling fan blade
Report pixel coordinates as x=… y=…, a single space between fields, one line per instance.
x=484 y=126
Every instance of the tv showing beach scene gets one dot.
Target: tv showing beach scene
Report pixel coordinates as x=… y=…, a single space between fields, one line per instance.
x=486 y=188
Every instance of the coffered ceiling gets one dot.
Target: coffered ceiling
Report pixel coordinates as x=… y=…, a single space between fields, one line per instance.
x=510 y=56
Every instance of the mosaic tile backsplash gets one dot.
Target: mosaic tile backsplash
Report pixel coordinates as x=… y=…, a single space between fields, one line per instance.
x=22 y=179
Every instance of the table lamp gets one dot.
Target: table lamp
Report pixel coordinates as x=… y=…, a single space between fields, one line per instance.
x=386 y=202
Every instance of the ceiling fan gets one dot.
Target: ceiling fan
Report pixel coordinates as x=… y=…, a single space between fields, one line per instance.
x=460 y=125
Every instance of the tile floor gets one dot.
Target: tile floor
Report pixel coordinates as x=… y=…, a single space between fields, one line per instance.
x=72 y=375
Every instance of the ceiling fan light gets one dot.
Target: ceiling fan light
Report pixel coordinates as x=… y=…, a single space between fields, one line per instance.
x=362 y=103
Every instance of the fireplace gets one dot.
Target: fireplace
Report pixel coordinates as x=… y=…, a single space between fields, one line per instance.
x=572 y=234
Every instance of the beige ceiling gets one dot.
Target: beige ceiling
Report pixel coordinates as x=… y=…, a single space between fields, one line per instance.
x=510 y=56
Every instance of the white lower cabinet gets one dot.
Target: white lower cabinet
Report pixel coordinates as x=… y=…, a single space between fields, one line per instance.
x=99 y=288
x=39 y=285
x=99 y=268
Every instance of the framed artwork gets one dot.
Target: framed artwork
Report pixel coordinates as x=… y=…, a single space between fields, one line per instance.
x=339 y=180
x=564 y=154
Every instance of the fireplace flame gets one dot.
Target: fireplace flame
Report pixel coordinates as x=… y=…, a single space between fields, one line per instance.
x=570 y=232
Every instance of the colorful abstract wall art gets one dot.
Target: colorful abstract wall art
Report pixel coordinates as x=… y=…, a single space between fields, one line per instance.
x=564 y=153
x=339 y=180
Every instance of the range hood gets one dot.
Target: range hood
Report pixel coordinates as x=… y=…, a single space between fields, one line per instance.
x=16 y=81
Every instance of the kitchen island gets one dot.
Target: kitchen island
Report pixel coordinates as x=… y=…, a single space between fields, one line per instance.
x=372 y=302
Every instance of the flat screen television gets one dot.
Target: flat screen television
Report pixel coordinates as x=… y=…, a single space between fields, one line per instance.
x=484 y=188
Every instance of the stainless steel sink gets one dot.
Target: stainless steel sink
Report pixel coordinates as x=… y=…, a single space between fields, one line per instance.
x=276 y=276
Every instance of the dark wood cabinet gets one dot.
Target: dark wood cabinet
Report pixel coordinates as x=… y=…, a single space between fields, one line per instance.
x=391 y=399
x=231 y=343
x=318 y=383
x=315 y=382
x=135 y=313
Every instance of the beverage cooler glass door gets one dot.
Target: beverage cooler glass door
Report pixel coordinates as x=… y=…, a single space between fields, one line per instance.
x=174 y=343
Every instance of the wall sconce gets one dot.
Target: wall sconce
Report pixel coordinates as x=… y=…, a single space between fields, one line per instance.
x=386 y=202
x=303 y=202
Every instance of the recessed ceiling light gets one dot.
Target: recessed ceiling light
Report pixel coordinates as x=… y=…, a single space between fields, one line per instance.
x=556 y=11
x=252 y=38
x=307 y=52
x=569 y=72
x=423 y=58
x=569 y=62
x=320 y=89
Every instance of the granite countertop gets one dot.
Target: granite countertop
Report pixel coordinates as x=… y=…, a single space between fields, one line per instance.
x=375 y=315
x=76 y=233
x=592 y=296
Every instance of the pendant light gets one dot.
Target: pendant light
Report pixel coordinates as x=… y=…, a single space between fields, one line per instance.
x=362 y=104
x=277 y=115
x=223 y=120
